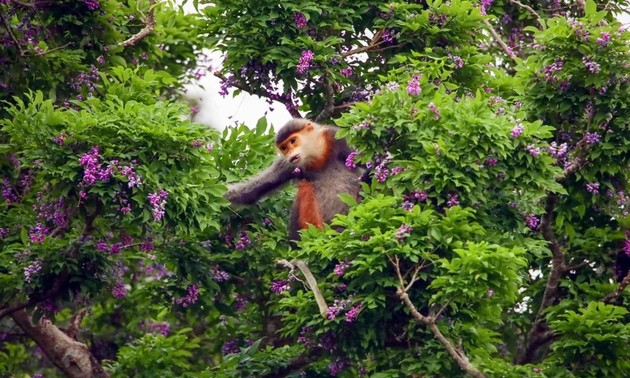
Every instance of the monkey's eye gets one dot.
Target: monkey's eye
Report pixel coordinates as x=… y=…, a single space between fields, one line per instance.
x=293 y=140
x=283 y=148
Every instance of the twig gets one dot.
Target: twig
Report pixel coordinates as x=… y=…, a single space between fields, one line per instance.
x=149 y=25
x=457 y=353
x=375 y=42
x=10 y=310
x=498 y=40
x=622 y=286
x=75 y=323
x=312 y=282
x=530 y=10
x=294 y=113
x=10 y=31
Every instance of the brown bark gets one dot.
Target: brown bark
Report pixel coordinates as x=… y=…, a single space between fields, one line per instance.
x=70 y=356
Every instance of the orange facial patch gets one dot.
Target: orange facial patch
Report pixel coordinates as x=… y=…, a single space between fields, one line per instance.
x=308 y=208
x=293 y=141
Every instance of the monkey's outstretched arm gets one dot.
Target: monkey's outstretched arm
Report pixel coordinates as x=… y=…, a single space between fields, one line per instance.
x=272 y=178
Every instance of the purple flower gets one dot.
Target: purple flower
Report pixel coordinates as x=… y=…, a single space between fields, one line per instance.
x=162 y=328
x=305 y=62
x=626 y=247
x=38 y=233
x=551 y=69
x=341 y=267
x=407 y=205
x=337 y=366
x=593 y=138
x=300 y=20
x=158 y=202
x=457 y=61
x=100 y=59
x=531 y=221
x=557 y=150
x=485 y=4
x=279 y=286
x=593 y=187
x=452 y=200
x=297 y=171
x=435 y=110
x=413 y=85
x=191 y=297
x=119 y=290
x=490 y=293
x=388 y=35
x=533 y=150
x=336 y=308
x=31 y=270
x=4 y=232
x=91 y=4
x=230 y=347
x=402 y=232
x=347 y=72
x=517 y=131
x=604 y=39
x=397 y=170
x=353 y=313
x=381 y=172
x=591 y=65
x=219 y=275
x=491 y=162
x=350 y=163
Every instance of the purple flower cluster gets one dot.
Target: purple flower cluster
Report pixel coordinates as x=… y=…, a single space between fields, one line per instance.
x=413 y=85
x=119 y=290
x=593 y=187
x=38 y=233
x=230 y=347
x=4 y=232
x=452 y=200
x=305 y=62
x=350 y=160
x=341 y=268
x=388 y=35
x=305 y=337
x=31 y=270
x=485 y=4
x=336 y=308
x=591 y=65
x=162 y=328
x=604 y=39
x=593 y=138
x=8 y=192
x=337 y=366
x=440 y=20
x=491 y=162
x=243 y=242
x=300 y=20
x=49 y=306
x=457 y=61
x=158 y=202
x=556 y=150
x=219 y=275
x=280 y=286
x=517 y=130
x=412 y=198
x=551 y=69
x=435 y=110
x=190 y=298
x=533 y=150
x=93 y=171
x=61 y=139
x=531 y=221
x=92 y=4
x=381 y=172
x=353 y=313
x=402 y=232
x=87 y=79
x=240 y=303
x=347 y=72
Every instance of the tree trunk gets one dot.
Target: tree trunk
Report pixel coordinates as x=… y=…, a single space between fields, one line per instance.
x=70 y=356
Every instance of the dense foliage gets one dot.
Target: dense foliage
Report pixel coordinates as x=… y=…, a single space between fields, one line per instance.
x=492 y=240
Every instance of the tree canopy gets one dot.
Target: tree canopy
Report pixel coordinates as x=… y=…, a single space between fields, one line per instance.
x=493 y=239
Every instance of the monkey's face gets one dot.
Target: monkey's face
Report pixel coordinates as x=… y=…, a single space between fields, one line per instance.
x=300 y=148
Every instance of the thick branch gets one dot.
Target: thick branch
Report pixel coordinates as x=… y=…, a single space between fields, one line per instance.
x=557 y=259
x=70 y=356
x=296 y=364
x=330 y=102
x=10 y=310
x=498 y=40
x=310 y=279
x=622 y=286
x=149 y=25
x=10 y=31
x=530 y=10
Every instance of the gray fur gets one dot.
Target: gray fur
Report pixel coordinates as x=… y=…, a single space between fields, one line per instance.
x=329 y=182
x=290 y=127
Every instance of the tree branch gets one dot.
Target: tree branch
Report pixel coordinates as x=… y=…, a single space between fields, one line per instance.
x=508 y=51
x=70 y=356
x=310 y=279
x=622 y=286
x=10 y=31
x=294 y=113
x=149 y=25
x=75 y=323
x=375 y=42
x=530 y=10
x=457 y=353
x=329 y=108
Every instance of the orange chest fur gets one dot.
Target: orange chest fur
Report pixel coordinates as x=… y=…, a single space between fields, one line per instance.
x=308 y=206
